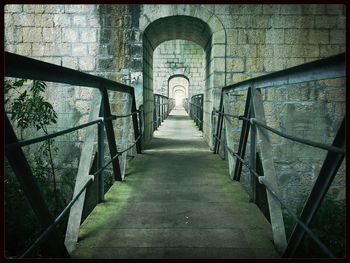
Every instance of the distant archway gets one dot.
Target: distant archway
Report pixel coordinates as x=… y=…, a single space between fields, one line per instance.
x=187 y=22
x=178 y=82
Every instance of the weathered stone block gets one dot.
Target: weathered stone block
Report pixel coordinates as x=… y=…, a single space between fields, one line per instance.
x=54 y=9
x=314 y=9
x=274 y=64
x=271 y=9
x=37 y=49
x=337 y=37
x=237 y=65
x=93 y=21
x=83 y=106
x=93 y=49
x=299 y=92
x=51 y=34
x=274 y=36
x=254 y=64
x=291 y=62
x=69 y=35
x=38 y=9
x=296 y=36
x=218 y=37
x=319 y=37
x=8 y=19
x=52 y=60
x=70 y=62
x=79 y=20
x=326 y=22
x=13 y=35
x=61 y=20
x=32 y=34
x=336 y=95
x=340 y=109
x=292 y=21
x=24 y=49
x=306 y=51
x=243 y=50
x=79 y=50
x=290 y=9
x=44 y=20
x=79 y=8
x=24 y=20
x=88 y=35
x=335 y=9
x=13 y=8
x=54 y=49
x=86 y=63
x=215 y=24
x=329 y=50
x=256 y=36
x=268 y=108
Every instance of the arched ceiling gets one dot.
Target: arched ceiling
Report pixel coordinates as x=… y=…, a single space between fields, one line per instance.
x=178 y=27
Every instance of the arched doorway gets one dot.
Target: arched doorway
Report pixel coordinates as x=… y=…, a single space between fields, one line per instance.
x=191 y=23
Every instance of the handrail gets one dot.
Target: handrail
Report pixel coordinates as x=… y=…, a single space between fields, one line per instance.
x=296 y=139
x=196 y=110
x=162 y=107
x=18 y=66
x=24 y=67
x=327 y=68
x=332 y=67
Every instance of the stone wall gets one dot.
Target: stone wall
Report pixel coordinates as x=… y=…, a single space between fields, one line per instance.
x=267 y=38
x=178 y=57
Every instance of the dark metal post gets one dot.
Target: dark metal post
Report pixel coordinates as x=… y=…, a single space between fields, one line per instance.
x=252 y=156
x=163 y=112
x=325 y=178
x=201 y=114
x=154 y=113
x=135 y=122
x=100 y=155
x=219 y=125
x=54 y=245
x=159 y=116
x=243 y=138
x=110 y=135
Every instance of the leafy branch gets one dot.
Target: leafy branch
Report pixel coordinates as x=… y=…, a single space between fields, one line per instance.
x=30 y=109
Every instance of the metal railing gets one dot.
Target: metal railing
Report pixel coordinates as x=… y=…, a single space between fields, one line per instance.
x=254 y=120
x=196 y=110
x=23 y=67
x=162 y=107
x=185 y=104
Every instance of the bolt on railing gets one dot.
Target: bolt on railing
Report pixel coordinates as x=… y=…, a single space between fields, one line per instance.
x=162 y=107
x=24 y=67
x=253 y=119
x=196 y=110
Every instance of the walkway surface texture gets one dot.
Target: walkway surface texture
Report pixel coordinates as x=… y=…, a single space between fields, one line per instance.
x=177 y=201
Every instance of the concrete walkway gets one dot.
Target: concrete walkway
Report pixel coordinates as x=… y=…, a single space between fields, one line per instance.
x=177 y=201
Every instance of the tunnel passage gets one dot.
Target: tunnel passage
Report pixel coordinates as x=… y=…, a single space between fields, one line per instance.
x=175 y=28
x=178 y=88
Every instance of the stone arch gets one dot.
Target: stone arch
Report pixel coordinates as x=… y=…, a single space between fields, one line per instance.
x=196 y=23
x=173 y=83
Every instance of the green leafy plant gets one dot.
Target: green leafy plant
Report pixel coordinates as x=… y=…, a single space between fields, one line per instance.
x=29 y=109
